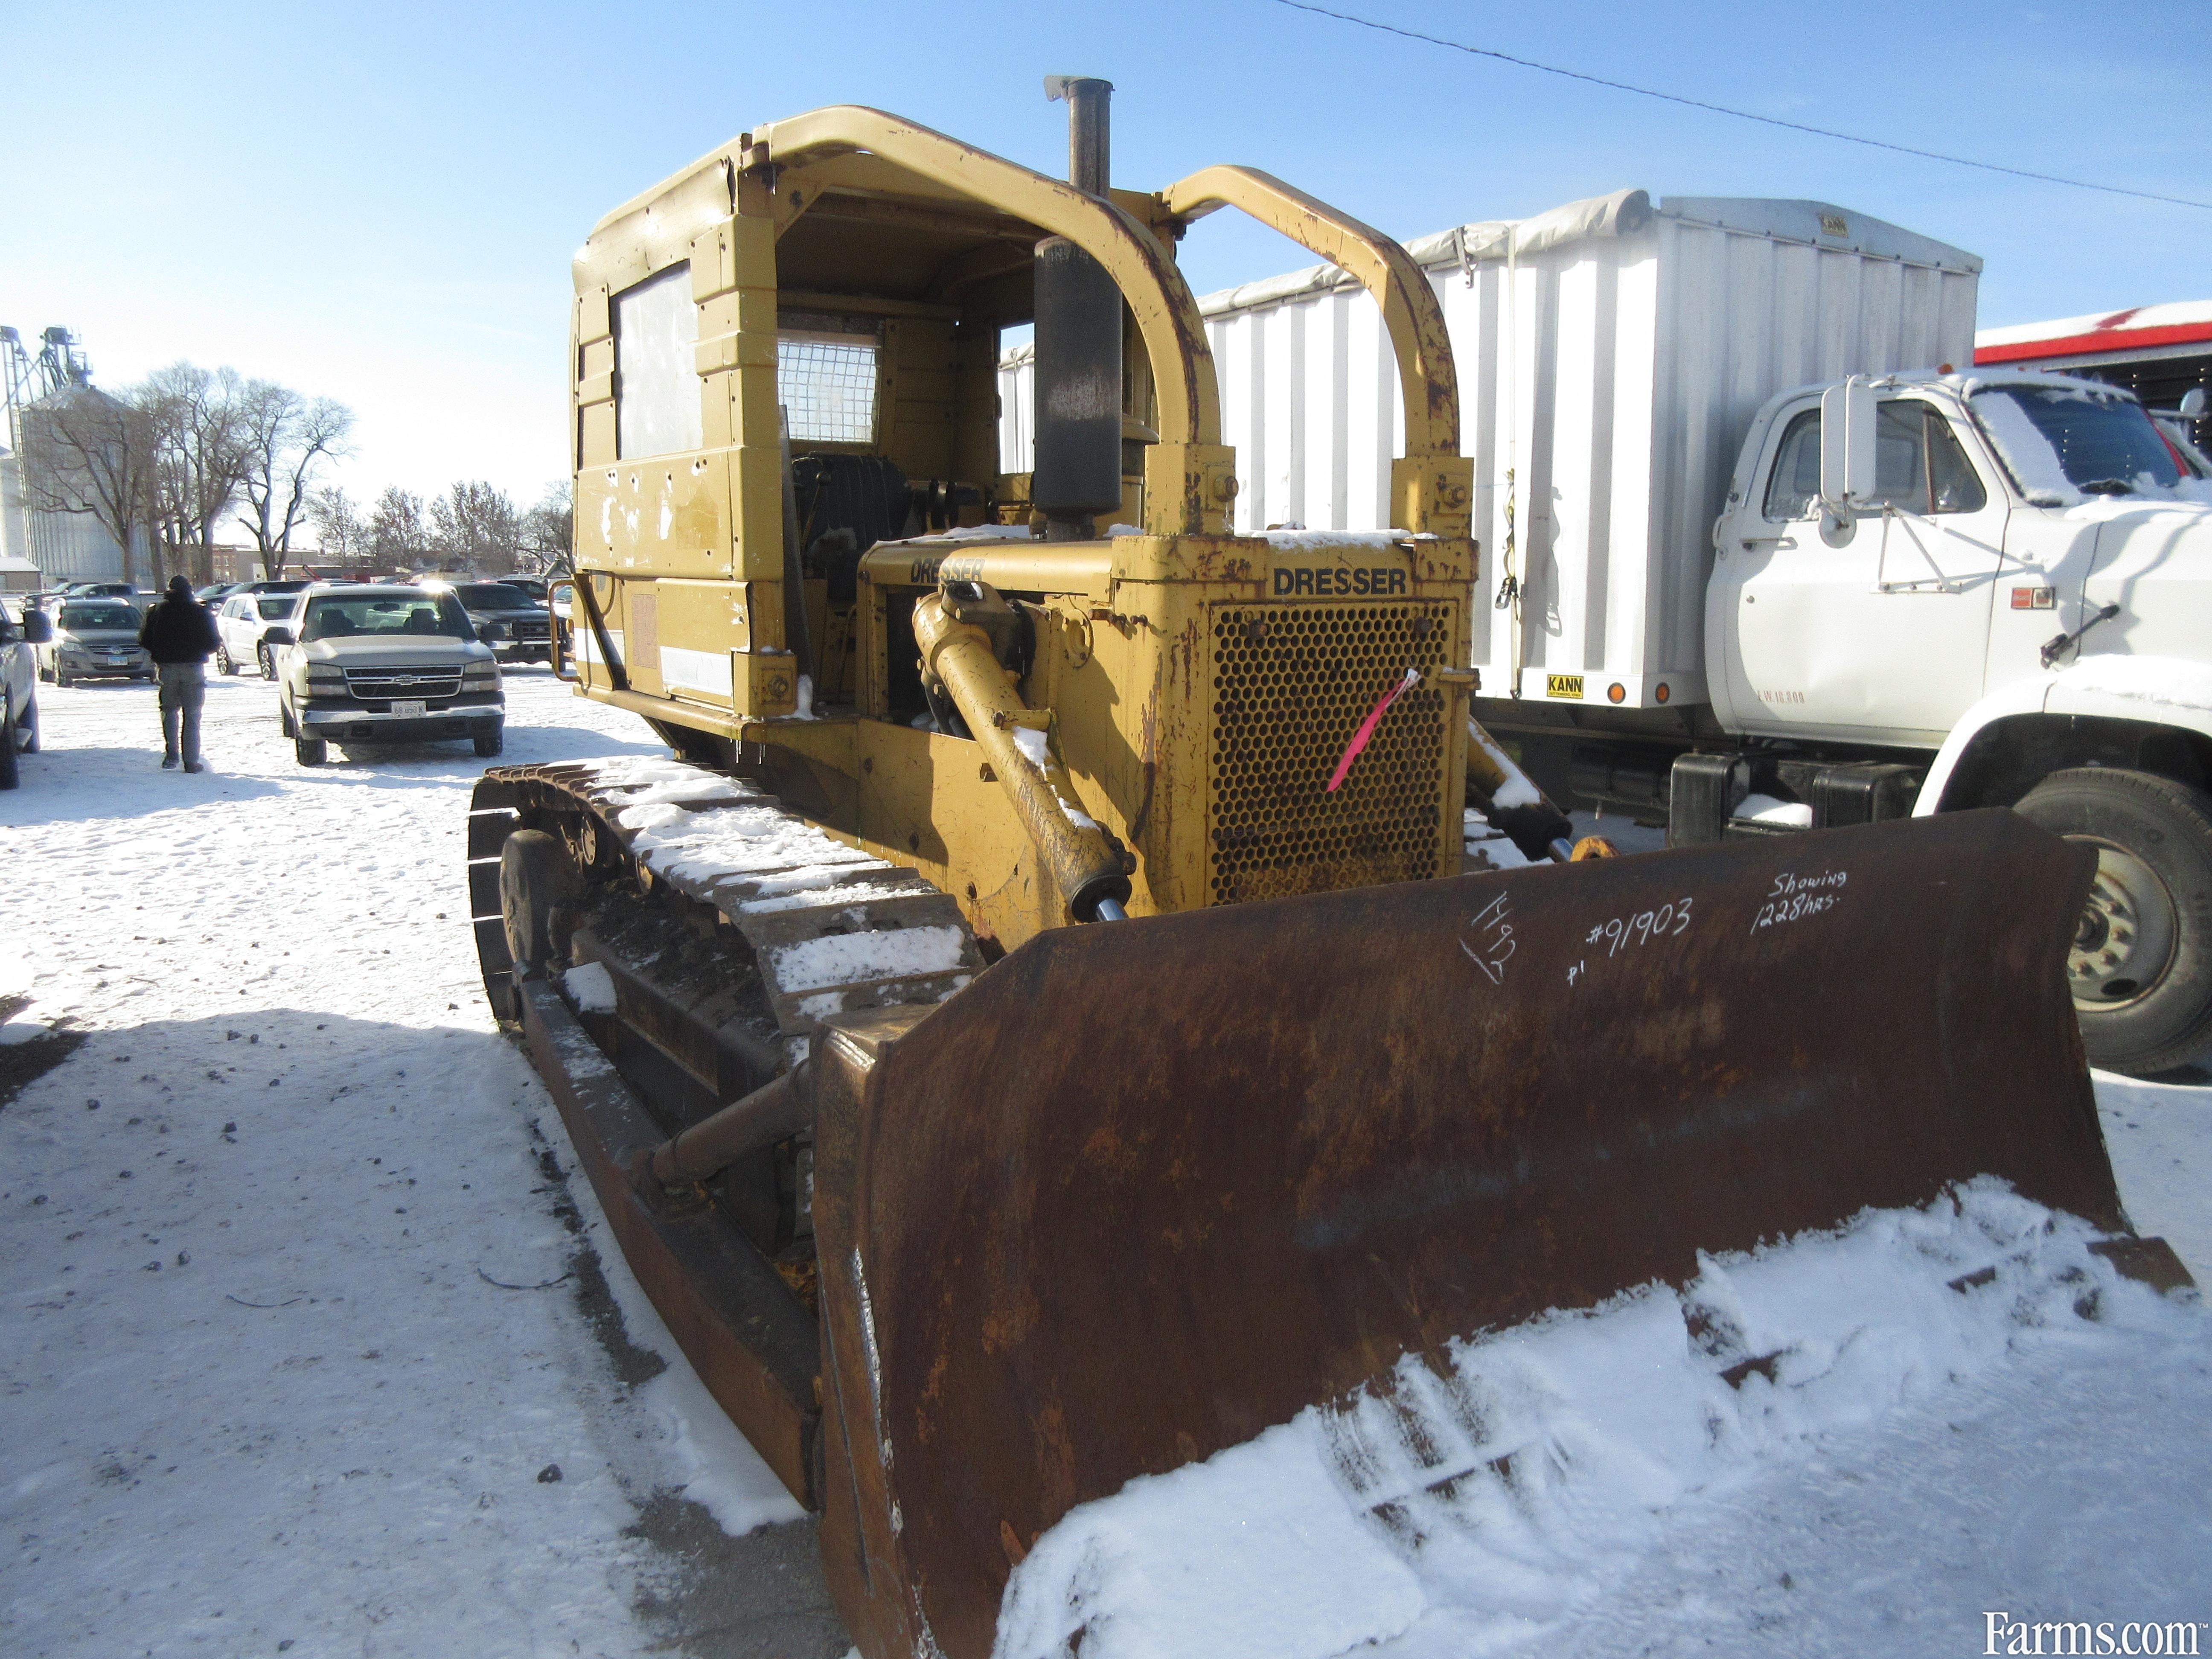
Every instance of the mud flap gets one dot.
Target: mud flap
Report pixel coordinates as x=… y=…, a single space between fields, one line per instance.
x=1144 y=1189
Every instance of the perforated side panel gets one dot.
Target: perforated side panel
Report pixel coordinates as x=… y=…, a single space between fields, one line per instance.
x=1291 y=683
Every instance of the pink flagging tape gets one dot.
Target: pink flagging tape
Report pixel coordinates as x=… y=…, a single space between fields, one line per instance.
x=1367 y=727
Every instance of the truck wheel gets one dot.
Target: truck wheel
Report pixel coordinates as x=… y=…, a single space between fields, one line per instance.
x=284 y=719
x=9 y=777
x=310 y=751
x=489 y=743
x=2140 y=966
x=27 y=729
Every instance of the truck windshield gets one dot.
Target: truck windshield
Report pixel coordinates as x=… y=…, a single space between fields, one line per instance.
x=386 y=614
x=2061 y=443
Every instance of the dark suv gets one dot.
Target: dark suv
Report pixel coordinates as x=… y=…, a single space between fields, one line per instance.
x=507 y=620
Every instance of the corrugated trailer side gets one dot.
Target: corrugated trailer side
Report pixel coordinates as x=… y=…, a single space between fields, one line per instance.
x=1610 y=359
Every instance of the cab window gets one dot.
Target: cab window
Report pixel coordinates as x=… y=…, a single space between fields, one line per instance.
x=1919 y=467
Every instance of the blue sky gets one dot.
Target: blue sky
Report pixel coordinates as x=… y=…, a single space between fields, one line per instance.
x=379 y=203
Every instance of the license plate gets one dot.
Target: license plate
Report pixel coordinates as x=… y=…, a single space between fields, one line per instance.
x=411 y=711
x=113 y=661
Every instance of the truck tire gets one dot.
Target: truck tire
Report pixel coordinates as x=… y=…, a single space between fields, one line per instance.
x=310 y=751
x=27 y=727
x=2140 y=968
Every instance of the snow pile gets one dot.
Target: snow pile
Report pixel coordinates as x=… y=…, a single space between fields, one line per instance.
x=974 y=533
x=1314 y=541
x=1480 y=1509
x=817 y=884
x=1037 y=751
x=853 y=958
x=591 y=987
x=729 y=842
x=1771 y=809
x=717 y=1466
x=646 y=781
x=1516 y=790
x=2168 y=682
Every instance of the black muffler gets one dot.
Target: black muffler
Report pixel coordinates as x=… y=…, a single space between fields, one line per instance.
x=1078 y=416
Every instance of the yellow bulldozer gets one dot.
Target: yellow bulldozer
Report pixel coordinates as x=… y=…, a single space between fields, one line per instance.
x=1043 y=1026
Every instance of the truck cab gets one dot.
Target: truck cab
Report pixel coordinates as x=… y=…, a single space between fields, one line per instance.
x=2009 y=512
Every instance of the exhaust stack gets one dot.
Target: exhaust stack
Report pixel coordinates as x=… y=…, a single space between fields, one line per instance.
x=1078 y=418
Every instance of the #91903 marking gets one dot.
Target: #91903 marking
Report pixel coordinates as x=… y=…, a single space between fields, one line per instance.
x=1668 y=922
x=1794 y=898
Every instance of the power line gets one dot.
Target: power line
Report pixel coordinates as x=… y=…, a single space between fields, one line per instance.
x=1741 y=114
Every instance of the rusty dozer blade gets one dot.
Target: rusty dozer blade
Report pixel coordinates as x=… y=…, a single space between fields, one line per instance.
x=1145 y=1189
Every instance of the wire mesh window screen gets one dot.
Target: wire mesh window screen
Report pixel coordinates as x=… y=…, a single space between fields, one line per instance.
x=829 y=387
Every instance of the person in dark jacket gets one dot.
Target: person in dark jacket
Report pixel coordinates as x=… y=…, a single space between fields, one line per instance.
x=179 y=636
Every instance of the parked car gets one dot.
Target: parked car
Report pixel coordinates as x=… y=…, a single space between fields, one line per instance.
x=250 y=626
x=505 y=617
x=215 y=592
x=95 y=639
x=532 y=586
x=387 y=664
x=137 y=597
x=21 y=632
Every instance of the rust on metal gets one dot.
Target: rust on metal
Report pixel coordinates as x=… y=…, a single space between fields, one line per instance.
x=746 y=1335
x=1314 y=1135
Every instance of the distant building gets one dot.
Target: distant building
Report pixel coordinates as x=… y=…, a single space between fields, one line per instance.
x=2158 y=352
x=64 y=546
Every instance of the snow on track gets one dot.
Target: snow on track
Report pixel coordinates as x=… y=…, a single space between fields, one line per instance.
x=291 y=1344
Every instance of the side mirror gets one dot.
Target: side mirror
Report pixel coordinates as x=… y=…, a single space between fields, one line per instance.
x=38 y=627
x=2192 y=404
x=1847 y=456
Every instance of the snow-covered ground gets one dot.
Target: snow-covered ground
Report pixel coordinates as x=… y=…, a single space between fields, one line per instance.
x=292 y=1346
x=298 y=1329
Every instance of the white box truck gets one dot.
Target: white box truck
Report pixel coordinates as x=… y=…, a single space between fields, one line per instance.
x=1714 y=607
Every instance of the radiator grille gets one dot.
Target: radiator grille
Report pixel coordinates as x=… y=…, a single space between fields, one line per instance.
x=382 y=685
x=1291 y=685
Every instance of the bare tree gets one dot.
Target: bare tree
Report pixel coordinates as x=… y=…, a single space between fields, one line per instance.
x=398 y=533
x=286 y=438
x=548 y=529
x=87 y=451
x=338 y=525
x=475 y=527
x=202 y=442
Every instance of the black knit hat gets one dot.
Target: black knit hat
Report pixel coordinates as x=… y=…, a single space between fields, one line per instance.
x=181 y=586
